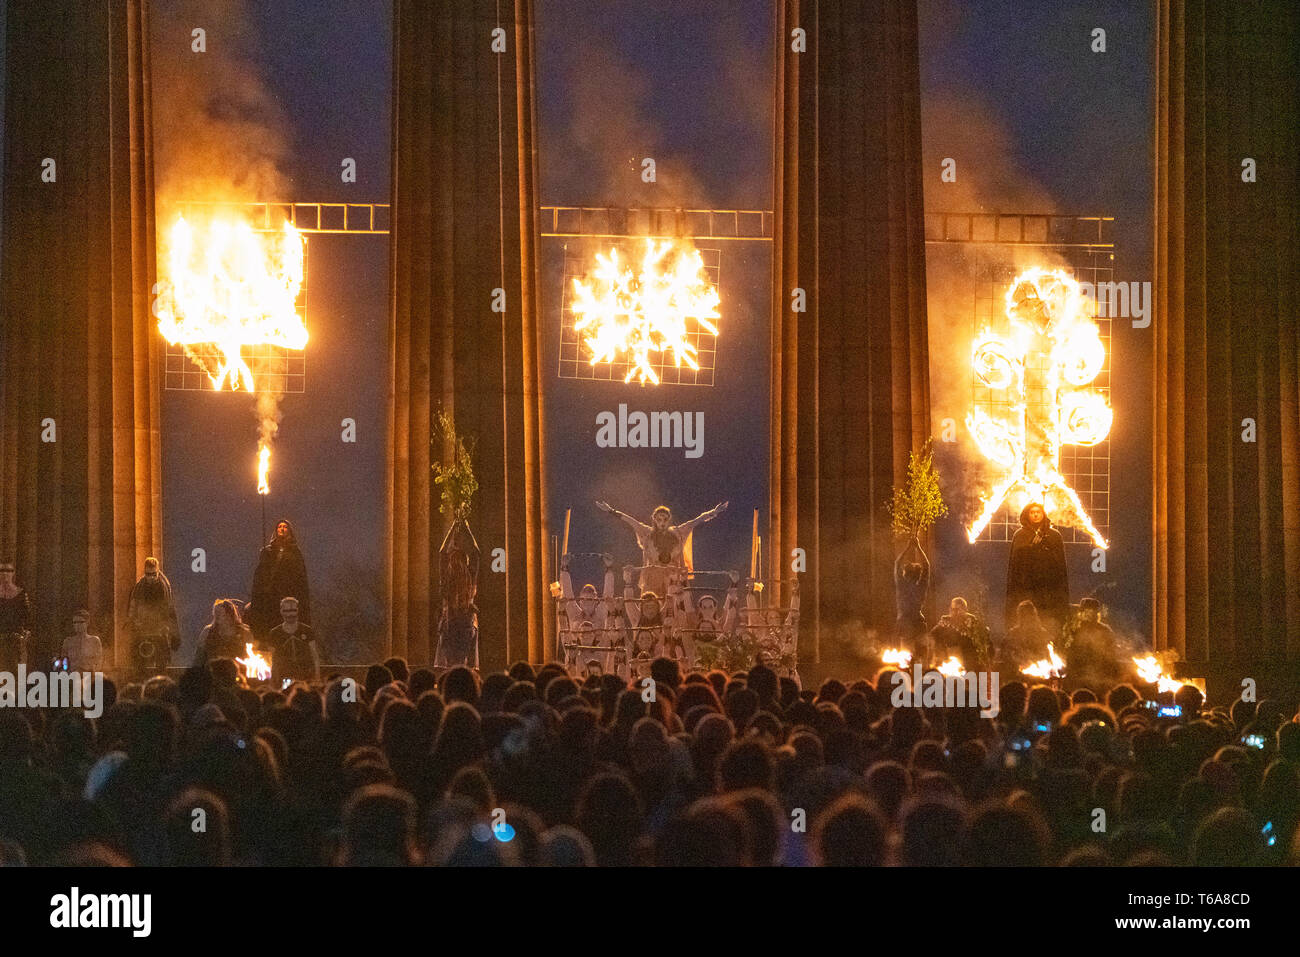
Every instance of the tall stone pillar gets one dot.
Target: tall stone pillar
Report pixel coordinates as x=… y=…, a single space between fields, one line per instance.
x=1226 y=522
x=850 y=387
x=464 y=240
x=80 y=464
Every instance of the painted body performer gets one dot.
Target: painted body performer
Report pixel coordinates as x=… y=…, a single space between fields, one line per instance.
x=661 y=542
x=458 y=626
x=585 y=619
x=281 y=573
x=1037 y=569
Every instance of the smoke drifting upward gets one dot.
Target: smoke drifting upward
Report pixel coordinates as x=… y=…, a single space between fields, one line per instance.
x=611 y=107
x=989 y=179
x=219 y=133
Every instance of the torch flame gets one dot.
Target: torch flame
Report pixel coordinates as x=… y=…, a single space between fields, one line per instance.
x=952 y=668
x=1048 y=317
x=1152 y=672
x=263 y=467
x=628 y=313
x=1053 y=666
x=232 y=287
x=256 y=667
x=898 y=657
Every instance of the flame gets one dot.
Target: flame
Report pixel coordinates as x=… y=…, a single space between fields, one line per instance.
x=1152 y=672
x=952 y=668
x=232 y=287
x=898 y=657
x=1053 y=666
x=256 y=667
x=263 y=467
x=1048 y=317
x=630 y=313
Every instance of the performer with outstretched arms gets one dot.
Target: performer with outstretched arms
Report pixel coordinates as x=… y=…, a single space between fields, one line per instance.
x=458 y=627
x=661 y=542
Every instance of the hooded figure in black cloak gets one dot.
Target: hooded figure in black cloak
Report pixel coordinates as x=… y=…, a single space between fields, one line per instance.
x=1037 y=570
x=281 y=573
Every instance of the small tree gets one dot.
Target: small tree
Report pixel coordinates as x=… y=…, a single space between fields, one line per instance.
x=918 y=503
x=455 y=478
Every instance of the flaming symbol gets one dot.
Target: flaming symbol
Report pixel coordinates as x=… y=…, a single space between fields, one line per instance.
x=232 y=287
x=1049 y=407
x=628 y=313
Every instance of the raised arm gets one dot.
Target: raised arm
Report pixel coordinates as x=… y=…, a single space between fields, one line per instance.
x=684 y=528
x=566 y=580
x=731 y=610
x=608 y=591
x=638 y=527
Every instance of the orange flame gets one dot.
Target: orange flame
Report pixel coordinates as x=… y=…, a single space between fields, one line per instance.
x=231 y=287
x=1048 y=316
x=952 y=668
x=263 y=467
x=1053 y=666
x=256 y=667
x=1151 y=671
x=631 y=313
x=898 y=657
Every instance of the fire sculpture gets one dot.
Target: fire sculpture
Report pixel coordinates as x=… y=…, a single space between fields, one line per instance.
x=232 y=287
x=644 y=313
x=1043 y=366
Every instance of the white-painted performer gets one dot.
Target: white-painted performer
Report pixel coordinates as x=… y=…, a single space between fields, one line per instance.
x=661 y=542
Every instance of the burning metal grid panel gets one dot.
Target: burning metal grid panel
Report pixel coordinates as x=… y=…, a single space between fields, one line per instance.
x=575 y=359
x=1085 y=468
x=274 y=369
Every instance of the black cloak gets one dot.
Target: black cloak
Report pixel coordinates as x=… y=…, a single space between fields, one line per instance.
x=1037 y=572
x=281 y=573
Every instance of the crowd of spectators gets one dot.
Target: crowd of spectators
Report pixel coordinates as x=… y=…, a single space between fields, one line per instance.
x=536 y=767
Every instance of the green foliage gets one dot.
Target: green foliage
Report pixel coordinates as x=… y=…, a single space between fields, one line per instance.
x=918 y=503
x=455 y=478
x=739 y=652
